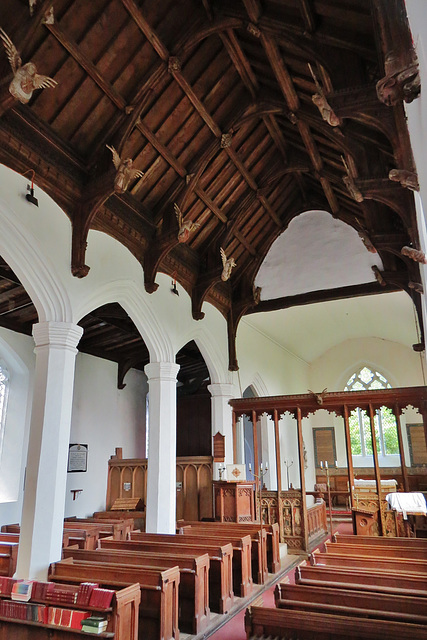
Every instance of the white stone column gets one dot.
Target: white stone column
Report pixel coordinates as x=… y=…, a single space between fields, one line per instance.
x=46 y=474
x=161 y=473
x=222 y=421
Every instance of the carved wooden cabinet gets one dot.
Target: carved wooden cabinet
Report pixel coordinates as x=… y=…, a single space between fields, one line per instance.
x=234 y=501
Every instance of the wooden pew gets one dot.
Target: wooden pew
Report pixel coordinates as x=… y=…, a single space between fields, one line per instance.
x=242 y=549
x=263 y=622
x=272 y=531
x=10 y=550
x=346 y=602
x=118 y=528
x=14 y=537
x=381 y=581
x=376 y=550
x=221 y=594
x=138 y=517
x=193 y=598
x=84 y=538
x=411 y=543
x=258 y=542
x=11 y=528
x=159 y=591
x=368 y=563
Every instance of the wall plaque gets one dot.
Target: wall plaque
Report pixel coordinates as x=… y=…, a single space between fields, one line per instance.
x=77 y=457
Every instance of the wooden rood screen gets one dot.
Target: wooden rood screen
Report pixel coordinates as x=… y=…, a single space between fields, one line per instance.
x=289 y=507
x=127 y=478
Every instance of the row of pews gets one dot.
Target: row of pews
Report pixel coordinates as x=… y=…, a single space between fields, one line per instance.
x=182 y=576
x=359 y=587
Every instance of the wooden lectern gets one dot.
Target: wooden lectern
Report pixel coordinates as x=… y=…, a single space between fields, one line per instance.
x=234 y=501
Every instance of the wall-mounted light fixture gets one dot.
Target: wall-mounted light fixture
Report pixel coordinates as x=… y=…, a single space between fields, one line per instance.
x=30 y=196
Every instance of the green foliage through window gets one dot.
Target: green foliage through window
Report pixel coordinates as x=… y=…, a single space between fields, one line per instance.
x=359 y=423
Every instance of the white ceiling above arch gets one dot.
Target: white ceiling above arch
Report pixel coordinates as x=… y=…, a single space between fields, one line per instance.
x=316 y=252
x=308 y=331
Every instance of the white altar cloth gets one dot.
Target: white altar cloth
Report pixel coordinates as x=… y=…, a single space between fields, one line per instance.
x=407 y=503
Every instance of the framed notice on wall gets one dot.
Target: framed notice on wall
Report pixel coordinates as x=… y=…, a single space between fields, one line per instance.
x=77 y=457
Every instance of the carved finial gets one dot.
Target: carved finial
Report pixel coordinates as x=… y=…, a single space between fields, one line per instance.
x=227 y=264
x=253 y=30
x=318 y=396
x=49 y=17
x=415 y=254
x=125 y=173
x=416 y=286
x=350 y=184
x=408 y=179
x=226 y=139
x=25 y=77
x=378 y=275
x=32 y=4
x=367 y=242
x=322 y=103
x=400 y=84
x=185 y=227
x=174 y=64
x=256 y=294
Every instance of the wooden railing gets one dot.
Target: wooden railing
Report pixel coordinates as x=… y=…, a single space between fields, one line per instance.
x=316 y=518
x=289 y=515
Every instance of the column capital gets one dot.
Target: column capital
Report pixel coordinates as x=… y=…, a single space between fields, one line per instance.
x=224 y=389
x=57 y=334
x=161 y=370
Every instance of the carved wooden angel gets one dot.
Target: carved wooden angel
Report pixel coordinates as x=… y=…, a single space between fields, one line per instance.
x=414 y=254
x=125 y=173
x=228 y=264
x=185 y=226
x=25 y=77
x=322 y=103
x=349 y=182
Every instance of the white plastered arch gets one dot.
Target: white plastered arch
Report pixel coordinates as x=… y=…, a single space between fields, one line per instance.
x=208 y=347
x=24 y=255
x=129 y=296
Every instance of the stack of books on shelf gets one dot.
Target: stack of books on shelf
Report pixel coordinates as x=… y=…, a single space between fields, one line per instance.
x=84 y=593
x=6 y=585
x=50 y=603
x=101 y=598
x=24 y=611
x=62 y=594
x=94 y=624
x=21 y=590
x=71 y=618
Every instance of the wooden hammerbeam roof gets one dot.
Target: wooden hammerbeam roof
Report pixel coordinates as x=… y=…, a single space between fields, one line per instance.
x=213 y=101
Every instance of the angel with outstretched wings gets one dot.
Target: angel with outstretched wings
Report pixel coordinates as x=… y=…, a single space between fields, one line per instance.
x=185 y=226
x=125 y=173
x=25 y=77
x=227 y=264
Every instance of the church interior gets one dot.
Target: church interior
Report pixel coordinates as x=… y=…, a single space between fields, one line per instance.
x=212 y=318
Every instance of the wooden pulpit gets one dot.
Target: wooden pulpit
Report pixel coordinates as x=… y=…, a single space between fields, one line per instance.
x=234 y=501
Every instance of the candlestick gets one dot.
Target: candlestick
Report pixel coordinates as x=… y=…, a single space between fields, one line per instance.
x=321 y=464
x=266 y=466
x=250 y=467
x=326 y=464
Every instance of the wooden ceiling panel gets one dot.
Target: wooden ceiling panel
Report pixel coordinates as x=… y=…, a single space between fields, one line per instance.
x=213 y=101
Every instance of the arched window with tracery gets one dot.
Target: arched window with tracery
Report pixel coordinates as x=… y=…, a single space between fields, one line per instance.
x=4 y=390
x=385 y=422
